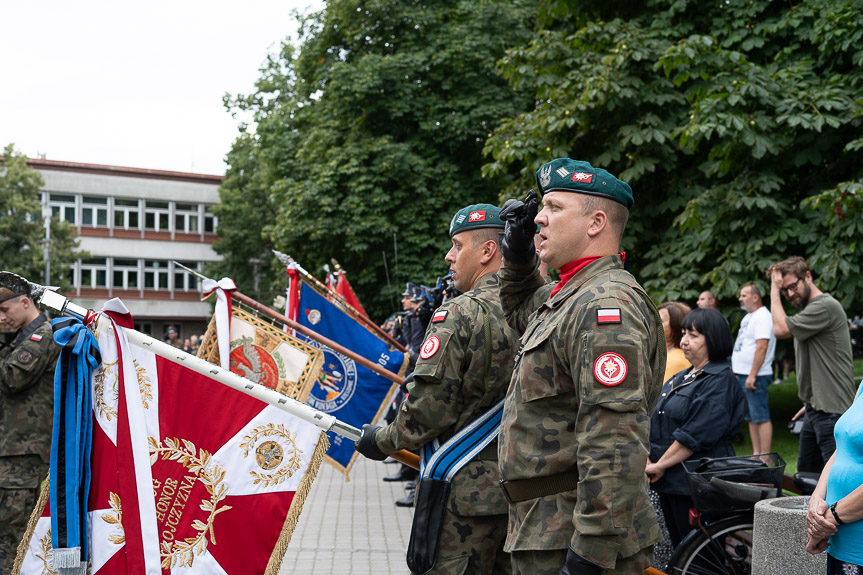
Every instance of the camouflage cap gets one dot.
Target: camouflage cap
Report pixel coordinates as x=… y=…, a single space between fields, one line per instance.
x=566 y=175
x=12 y=285
x=475 y=217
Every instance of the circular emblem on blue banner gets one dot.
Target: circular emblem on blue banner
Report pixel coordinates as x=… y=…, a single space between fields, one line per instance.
x=337 y=382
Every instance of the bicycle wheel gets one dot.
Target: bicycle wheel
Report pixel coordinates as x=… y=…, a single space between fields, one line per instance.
x=724 y=549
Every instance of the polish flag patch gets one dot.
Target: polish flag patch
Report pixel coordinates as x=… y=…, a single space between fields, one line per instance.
x=610 y=369
x=36 y=337
x=583 y=177
x=611 y=315
x=439 y=316
x=476 y=216
x=430 y=347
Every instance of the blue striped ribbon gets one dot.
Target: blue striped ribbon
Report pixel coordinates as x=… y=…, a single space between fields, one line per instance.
x=71 y=442
x=444 y=461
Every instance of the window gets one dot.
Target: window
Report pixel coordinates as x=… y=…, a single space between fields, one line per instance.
x=155 y=274
x=185 y=281
x=210 y=221
x=156 y=216
x=125 y=274
x=94 y=212
x=126 y=213
x=186 y=218
x=94 y=273
x=62 y=207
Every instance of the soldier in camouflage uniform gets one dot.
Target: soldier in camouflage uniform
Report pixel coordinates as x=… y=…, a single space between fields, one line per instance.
x=574 y=435
x=26 y=411
x=464 y=368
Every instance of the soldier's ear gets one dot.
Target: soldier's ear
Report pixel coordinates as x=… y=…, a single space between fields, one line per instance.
x=489 y=249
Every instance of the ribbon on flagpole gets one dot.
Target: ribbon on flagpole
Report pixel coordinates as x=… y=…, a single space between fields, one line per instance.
x=223 y=289
x=71 y=444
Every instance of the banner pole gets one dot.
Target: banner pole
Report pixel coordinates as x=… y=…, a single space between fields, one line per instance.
x=288 y=260
x=325 y=421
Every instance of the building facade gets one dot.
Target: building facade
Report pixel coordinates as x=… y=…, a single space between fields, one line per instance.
x=135 y=224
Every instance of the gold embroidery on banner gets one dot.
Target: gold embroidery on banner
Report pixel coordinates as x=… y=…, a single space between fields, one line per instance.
x=115 y=518
x=184 y=452
x=144 y=385
x=46 y=554
x=99 y=377
x=287 y=454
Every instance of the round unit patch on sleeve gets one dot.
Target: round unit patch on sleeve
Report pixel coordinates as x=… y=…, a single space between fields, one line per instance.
x=430 y=347
x=25 y=357
x=610 y=369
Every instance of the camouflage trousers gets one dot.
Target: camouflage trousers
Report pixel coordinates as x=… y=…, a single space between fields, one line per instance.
x=472 y=545
x=550 y=562
x=20 y=477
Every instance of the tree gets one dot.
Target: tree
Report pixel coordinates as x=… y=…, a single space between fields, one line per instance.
x=21 y=227
x=367 y=138
x=736 y=123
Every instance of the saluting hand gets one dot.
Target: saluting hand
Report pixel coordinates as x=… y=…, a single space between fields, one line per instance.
x=517 y=245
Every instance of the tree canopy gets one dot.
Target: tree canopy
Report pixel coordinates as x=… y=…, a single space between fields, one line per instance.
x=736 y=123
x=22 y=229
x=368 y=138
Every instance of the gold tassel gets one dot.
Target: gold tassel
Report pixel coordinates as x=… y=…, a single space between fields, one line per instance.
x=293 y=517
x=31 y=525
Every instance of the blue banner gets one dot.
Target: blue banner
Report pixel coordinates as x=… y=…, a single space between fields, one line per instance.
x=347 y=390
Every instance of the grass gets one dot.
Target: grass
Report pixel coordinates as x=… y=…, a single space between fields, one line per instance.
x=784 y=403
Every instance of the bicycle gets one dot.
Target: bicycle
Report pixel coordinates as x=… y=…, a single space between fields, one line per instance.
x=725 y=491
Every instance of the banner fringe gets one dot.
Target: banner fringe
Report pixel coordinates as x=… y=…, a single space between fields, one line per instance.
x=275 y=563
x=31 y=526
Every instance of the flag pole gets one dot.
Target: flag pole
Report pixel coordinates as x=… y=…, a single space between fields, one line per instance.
x=256 y=305
x=63 y=306
x=286 y=259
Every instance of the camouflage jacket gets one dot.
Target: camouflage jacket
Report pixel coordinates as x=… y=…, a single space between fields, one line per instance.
x=458 y=377
x=569 y=410
x=27 y=394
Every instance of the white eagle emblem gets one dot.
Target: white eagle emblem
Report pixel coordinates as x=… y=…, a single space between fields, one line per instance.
x=545 y=175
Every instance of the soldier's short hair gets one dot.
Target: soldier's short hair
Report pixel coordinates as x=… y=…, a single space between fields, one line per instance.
x=617 y=213
x=483 y=235
x=715 y=329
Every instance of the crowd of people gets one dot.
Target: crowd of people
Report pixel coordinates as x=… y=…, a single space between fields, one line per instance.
x=545 y=413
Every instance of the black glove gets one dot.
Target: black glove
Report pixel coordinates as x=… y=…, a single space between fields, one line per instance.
x=578 y=565
x=366 y=444
x=517 y=245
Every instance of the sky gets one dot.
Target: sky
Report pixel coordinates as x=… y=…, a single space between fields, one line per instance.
x=137 y=84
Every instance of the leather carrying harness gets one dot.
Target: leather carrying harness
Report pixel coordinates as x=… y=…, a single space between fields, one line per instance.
x=536 y=487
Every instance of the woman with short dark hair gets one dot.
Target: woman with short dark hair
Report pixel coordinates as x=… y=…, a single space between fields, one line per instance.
x=699 y=414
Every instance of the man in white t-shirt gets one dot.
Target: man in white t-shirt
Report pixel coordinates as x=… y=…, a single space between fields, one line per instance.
x=752 y=363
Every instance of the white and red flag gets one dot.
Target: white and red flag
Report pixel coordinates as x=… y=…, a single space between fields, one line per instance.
x=188 y=475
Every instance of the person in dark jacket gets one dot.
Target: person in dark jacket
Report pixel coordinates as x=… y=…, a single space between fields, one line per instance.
x=699 y=414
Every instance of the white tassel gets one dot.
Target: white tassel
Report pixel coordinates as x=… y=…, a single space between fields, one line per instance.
x=67 y=557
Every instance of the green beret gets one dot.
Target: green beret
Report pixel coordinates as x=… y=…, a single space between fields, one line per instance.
x=565 y=175
x=475 y=217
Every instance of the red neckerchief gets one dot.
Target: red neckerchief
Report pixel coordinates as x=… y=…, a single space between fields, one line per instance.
x=568 y=271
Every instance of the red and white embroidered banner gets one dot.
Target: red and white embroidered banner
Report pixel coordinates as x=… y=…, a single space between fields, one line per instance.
x=188 y=474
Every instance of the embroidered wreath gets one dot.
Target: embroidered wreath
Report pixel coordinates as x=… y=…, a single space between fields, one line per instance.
x=292 y=457
x=99 y=376
x=185 y=453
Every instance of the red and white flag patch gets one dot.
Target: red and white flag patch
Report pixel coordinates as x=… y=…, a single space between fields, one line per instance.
x=610 y=315
x=439 y=316
x=583 y=177
x=429 y=347
x=610 y=369
x=478 y=216
x=36 y=337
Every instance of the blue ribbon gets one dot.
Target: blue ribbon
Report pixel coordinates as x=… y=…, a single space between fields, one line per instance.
x=71 y=440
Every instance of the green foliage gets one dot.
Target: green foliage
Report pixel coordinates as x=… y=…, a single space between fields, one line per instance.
x=21 y=227
x=737 y=123
x=367 y=139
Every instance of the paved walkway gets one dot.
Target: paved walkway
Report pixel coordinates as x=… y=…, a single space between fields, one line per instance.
x=351 y=528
